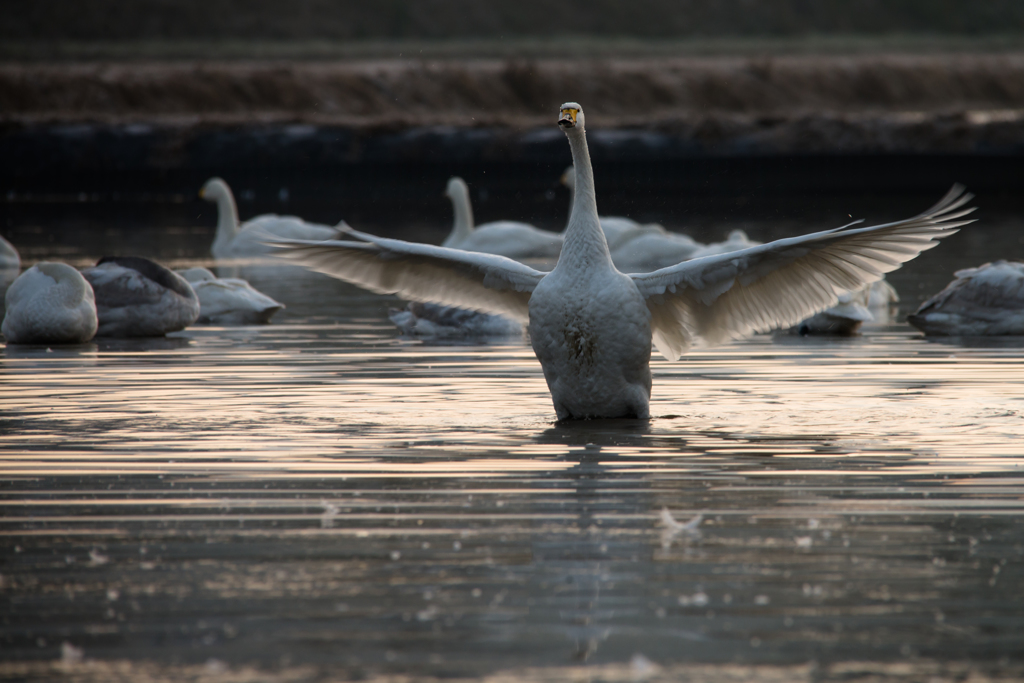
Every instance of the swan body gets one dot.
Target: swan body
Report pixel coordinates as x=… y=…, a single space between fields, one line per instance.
x=136 y=297
x=987 y=300
x=50 y=303
x=643 y=253
x=593 y=327
x=508 y=238
x=248 y=239
x=229 y=301
x=450 y=322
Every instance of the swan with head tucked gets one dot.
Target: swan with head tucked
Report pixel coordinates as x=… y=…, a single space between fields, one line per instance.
x=136 y=297
x=987 y=300
x=507 y=238
x=248 y=239
x=50 y=303
x=229 y=301
x=592 y=327
x=872 y=303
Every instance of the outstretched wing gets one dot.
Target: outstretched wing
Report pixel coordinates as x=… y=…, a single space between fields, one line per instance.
x=421 y=272
x=758 y=289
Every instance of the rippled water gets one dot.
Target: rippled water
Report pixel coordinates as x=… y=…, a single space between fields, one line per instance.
x=320 y=497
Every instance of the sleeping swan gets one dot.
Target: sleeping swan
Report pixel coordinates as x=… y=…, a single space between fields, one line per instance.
x=229 y=301
x=592 y=327
x=136 y=297
x=987 y=300
x=507 y=238
x=50 y=303
x=248 y=239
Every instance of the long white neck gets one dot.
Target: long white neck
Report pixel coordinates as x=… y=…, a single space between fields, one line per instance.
x=585 y=245
x=463 y=225
x=227 y=220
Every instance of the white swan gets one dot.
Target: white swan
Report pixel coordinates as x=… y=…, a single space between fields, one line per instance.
x=136 y=297
x=987 y=300
x=234 y=240
x=592 y=327
x=617 y=229
x=507 y=238
x=229 y=301
x=451 y=322
x=870 y=304
x=9 y=259
x=50 y=303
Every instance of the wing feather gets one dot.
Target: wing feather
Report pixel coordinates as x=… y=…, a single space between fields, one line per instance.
x=421 y=272
x=777 y=284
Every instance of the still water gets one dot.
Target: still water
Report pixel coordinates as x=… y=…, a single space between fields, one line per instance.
x=322 y=498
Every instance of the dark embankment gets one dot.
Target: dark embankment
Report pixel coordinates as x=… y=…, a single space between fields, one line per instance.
x=761 y=125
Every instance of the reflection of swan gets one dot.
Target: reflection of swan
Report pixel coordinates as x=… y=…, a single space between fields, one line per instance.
x=50 y=303
x=233 y=240
x=617 y=229
x=987 y=300
x=592 y=327
x=507 y=238
x=229 y=301
x=136 y=297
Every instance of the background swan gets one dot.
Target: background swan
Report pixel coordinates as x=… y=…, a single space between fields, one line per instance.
x=870 y=304
x=450 y=322
x=592 y=327
x=508 y=238
x=617 y=229
x=9 y=259
x=136 y=297
x=50 y=303
x=987 y=300
x=234 y=240
x=229 y=301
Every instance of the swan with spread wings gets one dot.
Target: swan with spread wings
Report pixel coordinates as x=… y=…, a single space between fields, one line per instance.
x=592 y=327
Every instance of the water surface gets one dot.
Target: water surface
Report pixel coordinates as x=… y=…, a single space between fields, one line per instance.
x=320 y=497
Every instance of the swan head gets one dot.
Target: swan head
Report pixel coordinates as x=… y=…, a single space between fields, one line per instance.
x=570 y=115
x=214 y=189
x=456 y=188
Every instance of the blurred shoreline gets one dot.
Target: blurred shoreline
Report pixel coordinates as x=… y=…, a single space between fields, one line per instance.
x=665 y=94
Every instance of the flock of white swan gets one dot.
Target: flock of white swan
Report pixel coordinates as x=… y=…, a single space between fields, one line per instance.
x=617 y=288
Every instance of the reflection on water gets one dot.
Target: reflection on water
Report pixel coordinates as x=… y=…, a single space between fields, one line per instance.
x=319 y=493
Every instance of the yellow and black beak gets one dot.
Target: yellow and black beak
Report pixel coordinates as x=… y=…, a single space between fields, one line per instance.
x=567 y=118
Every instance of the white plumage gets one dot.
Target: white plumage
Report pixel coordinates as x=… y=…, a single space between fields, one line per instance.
x=987 y=300
x=136 y=297
x=9 y=259
x=592 y=326
x=229 y=301
x=508 y=238
x=249 y=239
x=50 y=303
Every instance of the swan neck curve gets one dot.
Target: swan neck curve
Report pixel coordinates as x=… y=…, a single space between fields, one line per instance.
x=463 y=225
x=227 y=219
x=585 y=243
